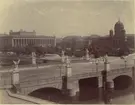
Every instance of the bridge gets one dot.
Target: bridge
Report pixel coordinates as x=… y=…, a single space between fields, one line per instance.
x=68 y=79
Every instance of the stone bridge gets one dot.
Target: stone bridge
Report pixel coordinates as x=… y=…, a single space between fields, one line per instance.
x=27 y=86
x=67 y=83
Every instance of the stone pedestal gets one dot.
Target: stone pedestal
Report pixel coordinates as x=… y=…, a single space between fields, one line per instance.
x=62 y=59
x=34 y=61
x=62 y=56
x=33 y=58
x=70 y=89
x=87 y=55
x=107 y=66
x=74 y=94
x=16 y=80
x=68 y=71
x=15 y=77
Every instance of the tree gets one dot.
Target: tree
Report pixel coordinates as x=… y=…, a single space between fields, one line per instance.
x=18 y=50
x=40 y=50
x=29 y=49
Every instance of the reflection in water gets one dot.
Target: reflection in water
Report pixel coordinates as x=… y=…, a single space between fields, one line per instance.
x=51 y=94
x=56 y=96
x=88 y=88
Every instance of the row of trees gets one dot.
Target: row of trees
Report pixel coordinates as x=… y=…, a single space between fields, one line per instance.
x=57 y=50
x=31 y=48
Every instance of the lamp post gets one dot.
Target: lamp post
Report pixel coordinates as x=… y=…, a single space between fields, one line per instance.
x=63 y=56
x=87 y=54
x=125 y=61
x=96 y=62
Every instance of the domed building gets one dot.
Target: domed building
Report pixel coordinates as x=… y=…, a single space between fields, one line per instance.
x=118 y=27
x=119 y=39
x=112 y=43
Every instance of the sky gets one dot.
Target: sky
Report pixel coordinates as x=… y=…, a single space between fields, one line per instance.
x=66 y=17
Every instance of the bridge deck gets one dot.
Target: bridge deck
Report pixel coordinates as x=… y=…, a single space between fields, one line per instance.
x=56 y=70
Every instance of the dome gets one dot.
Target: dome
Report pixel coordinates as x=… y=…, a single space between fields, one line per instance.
x=119 y=25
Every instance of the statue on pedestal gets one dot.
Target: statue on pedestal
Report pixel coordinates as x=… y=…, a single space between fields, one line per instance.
x=33 y=58
x=63 y=56
x=16 y=63
x=68 y=67
x=106 y=63
x=67 y=61
x=87 y=54
x=106 y=58
x=15 y=74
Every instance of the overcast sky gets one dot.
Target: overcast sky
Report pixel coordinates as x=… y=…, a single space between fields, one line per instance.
x=65 y=17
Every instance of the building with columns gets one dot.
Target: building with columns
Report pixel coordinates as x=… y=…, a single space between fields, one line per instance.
x=23 y=38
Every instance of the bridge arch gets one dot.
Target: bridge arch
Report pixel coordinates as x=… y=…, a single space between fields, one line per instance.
x=48 y=93
x=28 y=90
x=122 y=82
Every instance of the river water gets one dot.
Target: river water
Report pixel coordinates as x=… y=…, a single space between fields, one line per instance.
x=118 y=97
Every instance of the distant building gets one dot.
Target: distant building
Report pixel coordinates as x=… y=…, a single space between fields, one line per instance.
x=23 y=38
x=115 y=41
x=72 y=42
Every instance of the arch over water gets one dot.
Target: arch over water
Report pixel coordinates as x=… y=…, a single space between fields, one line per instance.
x=122 y=82
x=48 y=93
x=88 y=88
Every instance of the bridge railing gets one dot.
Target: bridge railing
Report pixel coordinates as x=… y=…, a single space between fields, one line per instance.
x=40 y=81
x=5 y=80
x=120 y=70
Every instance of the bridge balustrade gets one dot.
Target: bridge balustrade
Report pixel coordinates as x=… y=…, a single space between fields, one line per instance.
x=40 y=81
x=119 y=71
x=84 y=75
x=5 y=80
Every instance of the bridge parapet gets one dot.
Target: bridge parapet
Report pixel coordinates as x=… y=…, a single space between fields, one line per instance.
x=6 y=80
x=119 y=71
x=39 y=82
x=84 y=75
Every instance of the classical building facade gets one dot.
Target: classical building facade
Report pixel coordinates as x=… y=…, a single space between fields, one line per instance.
x=23 y=38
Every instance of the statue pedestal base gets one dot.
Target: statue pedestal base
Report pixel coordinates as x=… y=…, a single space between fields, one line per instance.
x=15 y=77
x=107 y=66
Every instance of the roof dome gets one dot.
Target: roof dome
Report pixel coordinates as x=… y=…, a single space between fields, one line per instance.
x=119 y=25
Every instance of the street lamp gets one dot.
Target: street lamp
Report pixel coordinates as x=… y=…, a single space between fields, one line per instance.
x=63 y=56
x=96 y=62
x=125 y=61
